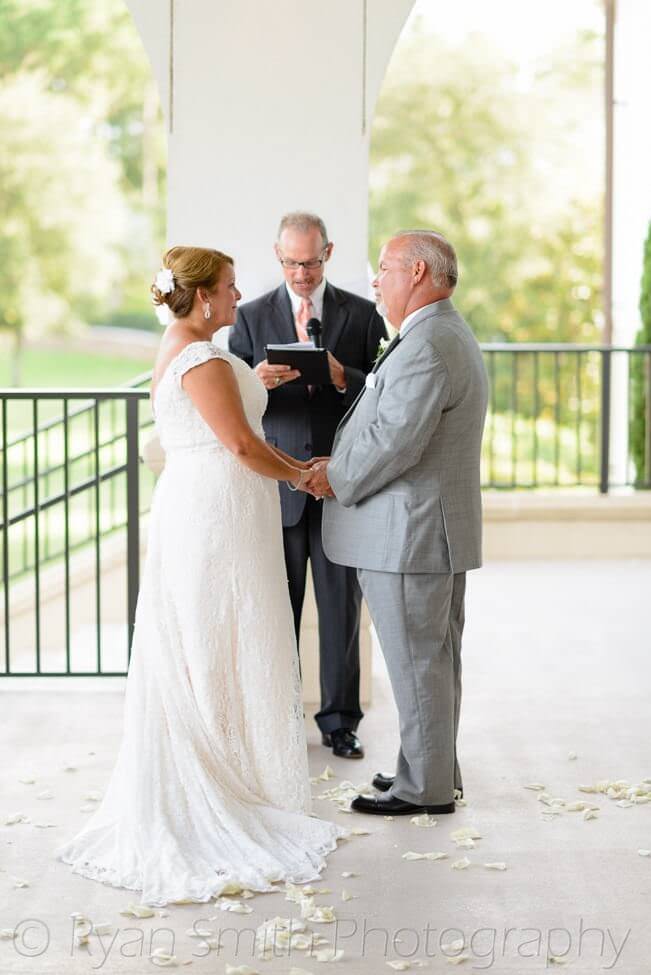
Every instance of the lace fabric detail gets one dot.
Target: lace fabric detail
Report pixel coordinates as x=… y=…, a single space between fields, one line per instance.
x=211 y=782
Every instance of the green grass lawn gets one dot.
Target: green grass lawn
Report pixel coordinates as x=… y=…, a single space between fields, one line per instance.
x=47 y=368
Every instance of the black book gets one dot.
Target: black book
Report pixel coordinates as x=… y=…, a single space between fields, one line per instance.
x=312 y=363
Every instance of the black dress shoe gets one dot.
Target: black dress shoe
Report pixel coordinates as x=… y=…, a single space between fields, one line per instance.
x=392 y=806
x=384 y=782
x=344 y=743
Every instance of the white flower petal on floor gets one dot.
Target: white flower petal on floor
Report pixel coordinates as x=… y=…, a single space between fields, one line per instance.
x=497 y=865
x=425 y=821
x=138 y=910
x=458 y=959
x=27 y=781
x=93 y=796
x=556 y=960
x=104 y=927
x=572 y=756
x=15 y=818
x=236 y=907
x=45 y=794
x=399 y=966
x=591 y=814
x=328 y=954
x=535 y=786
x=466 y=844
x=347 y=896
x=349 y=873
x=461 y=864
x=18 y=883
x=644 y=853
x=360 y=832
x=163 y=959
x=465 y=833
x=7 y=934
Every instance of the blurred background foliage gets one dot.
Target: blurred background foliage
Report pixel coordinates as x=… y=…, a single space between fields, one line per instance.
x=82 y=169
x=504 y=166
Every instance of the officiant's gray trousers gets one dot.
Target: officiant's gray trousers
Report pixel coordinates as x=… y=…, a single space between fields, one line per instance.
x=419 y=620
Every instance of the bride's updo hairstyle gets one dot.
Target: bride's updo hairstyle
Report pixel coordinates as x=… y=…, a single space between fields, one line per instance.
x=191 y=268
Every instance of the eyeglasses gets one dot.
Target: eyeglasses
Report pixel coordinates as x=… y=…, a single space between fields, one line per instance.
x=311 y=265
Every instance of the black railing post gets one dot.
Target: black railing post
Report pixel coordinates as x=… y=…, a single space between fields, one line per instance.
x=133 y=514
x=604 y=463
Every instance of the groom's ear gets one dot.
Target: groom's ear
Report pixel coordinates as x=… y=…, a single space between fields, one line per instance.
x=420 y=270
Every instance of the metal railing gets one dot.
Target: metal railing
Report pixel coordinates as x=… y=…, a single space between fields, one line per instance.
x=69 y=481
x=560 y=416
x=567 y=416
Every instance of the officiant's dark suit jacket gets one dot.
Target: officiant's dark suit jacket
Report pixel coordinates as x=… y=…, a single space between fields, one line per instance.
x=301 y=424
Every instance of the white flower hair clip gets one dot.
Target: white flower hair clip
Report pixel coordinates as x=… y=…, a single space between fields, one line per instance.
x=165 y=281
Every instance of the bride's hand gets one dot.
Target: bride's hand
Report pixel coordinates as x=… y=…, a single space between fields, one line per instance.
x=317 y=460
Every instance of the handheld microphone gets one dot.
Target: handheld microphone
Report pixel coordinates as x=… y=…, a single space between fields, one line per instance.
x=313 y=329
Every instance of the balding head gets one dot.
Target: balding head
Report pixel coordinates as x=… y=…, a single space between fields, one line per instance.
x=417 y=268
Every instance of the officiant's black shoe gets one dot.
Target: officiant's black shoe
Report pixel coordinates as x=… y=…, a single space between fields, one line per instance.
x=392 y=806
x=344 y=743
x=384 y=782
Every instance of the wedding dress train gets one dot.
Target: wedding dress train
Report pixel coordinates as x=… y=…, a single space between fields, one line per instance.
x=211 y=782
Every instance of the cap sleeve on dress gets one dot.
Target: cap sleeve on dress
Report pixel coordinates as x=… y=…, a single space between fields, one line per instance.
x=195 y=354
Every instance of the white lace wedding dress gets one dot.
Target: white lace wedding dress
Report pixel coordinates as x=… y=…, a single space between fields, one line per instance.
x=211 y=782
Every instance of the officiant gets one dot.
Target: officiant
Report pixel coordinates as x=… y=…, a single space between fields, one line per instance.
x=301 y=420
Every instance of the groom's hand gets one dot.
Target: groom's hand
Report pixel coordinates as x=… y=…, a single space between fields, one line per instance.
x=317 y=482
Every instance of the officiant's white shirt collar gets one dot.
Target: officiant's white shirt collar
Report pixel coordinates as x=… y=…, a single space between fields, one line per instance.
x=423 y=312
x=316 y=298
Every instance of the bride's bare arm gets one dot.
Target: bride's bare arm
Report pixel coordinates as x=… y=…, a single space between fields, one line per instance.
x=213 y=389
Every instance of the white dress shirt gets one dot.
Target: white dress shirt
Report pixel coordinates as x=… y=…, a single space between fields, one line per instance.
x=316 y=298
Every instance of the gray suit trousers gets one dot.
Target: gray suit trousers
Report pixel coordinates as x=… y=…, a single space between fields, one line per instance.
x=419 y=619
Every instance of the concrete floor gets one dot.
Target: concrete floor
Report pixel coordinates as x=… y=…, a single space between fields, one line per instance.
x=557 y=659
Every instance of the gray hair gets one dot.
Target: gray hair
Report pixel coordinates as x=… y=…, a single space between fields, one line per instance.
x=437 y=253
x=304 y=221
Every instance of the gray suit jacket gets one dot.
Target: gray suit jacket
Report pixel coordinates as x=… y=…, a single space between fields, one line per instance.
x=406 y=457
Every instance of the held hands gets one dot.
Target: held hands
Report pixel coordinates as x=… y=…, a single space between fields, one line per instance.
x=316 y=479
x=275 y=376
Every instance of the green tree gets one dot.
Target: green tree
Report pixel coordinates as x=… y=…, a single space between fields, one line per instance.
x=641 y=377
x=63 y=217
x=82 y=165
x=458 y=146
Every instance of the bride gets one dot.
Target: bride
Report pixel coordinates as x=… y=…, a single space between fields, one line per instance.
x=211 y=783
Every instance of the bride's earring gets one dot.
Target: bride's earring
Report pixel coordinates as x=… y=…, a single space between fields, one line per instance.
x=206 y=310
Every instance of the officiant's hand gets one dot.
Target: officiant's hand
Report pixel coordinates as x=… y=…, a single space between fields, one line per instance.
x=317 y=482
x=337 y=373
x=275 y=376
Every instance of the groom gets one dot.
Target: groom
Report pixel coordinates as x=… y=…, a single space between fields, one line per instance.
x=406 y=510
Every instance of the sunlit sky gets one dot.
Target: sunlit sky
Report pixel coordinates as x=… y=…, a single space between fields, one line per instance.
x=526 y=30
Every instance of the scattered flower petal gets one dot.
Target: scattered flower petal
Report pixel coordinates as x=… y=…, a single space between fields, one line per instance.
x=591 y=814
x=498 y=865
x=7 y=934
x=27 y=781
x=465 y=833
x=399 y=966
x=45 y=794
x=15 y=818
x=426 y=821
x=138 y=910
x=349 y=873
x=328 y=954
x=644 y=853
x=18 y=883
x=236 y=907
x=93 y=796
x=535 y=786
x=461 y=864
x=458 y=959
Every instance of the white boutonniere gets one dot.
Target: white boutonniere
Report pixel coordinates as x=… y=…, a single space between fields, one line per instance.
x=165 y=281
x=382 y=347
